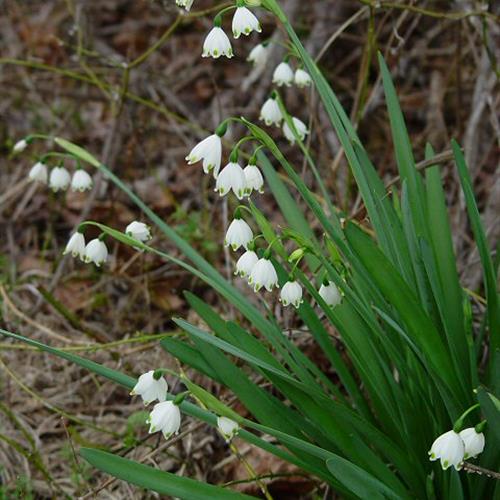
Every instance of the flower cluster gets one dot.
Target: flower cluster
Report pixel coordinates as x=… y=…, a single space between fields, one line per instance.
x=60 y=179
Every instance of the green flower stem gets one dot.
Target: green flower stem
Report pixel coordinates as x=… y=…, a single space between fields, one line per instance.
x=459 y=423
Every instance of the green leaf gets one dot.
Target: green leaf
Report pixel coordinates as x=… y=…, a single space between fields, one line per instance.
x=77 y=151
x=490 y=405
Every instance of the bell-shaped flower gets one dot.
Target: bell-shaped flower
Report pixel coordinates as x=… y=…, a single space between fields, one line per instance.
x=187 y=4
x=59 y=179
x=449 y=449
x=38 y=173
x=291 y=293
x=270 y=113
x=76 y=245
x=20 y=146
x=245 y=263
x=210 y=151
x=253 y=179
x=264 y=275
x=300 y=128
x=81 y=181
x=231 y=177
x=165 y=418
x=302 y=78
x=96 y=252
x=473 y=442
x=139 y=231
x=283 y=75
x=150 y=388
x=259 y=55
x=330 y=294
x=217 y=44
x=244 y=22
x=239 y=234
x=227 y=427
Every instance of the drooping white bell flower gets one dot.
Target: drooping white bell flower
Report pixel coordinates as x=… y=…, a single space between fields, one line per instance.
x=300 y=127
x=81 y=181
x=244 y=22
x=253 y=179
x=449 y=449
x=291 y=293
x=59 y=179
x=245 y=263
x=96 y=252
x=227 y=427
x=139 y=231
x=264 y=275
x=149 y=388
x=302 y=78
x=76 y=245
x=217 y=44
x=473 y=442
x=283 y=74
x=165 y=418
x=231 y=177
x=259 y=55
x=20 y=146
x=239 y=234
x=187 y=4
x=210 y=151
x=270 y=113
x=330 y=294
x=38 y=173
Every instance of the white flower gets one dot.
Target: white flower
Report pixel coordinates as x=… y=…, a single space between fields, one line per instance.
x=245 y=263
x=20 y=146
x=449 y=448
x=253 y=179
x=96 y=252
x=165 y=417
x=217 y=44
x=231 y=177
x=244 y=21
x=81 y=181
x=259 y=55
x=473 y=442
x=210 y=151
x=38 y=173
x=139 y=231
x=227 y=427
x=150 y=389
x=291 y=293
x=76 y=245
x=263 y=275
x=300 y=127
x=59 y=179
x=330 y=294
x=271 y=113
x=185 y=3
x=283 y=75
x=302 y=78
x=238 y=234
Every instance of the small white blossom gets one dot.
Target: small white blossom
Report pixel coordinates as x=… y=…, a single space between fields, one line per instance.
x=38 y=173
x=96 y=252
x=473 y=442
x=210 y=151
x=217 y=44
x=449 y=449
x=300 y=127
x=231 y=177
x=227 y=427
x=59 y=179
x=283 y=75
x=138 y=230
x=330 y=294
x=270 y=113
x=165 y=417
x=76 y=245
x=20 y=146
x=239 y=234
x=149 y=388
x=187 y=4
x=81 y=181
x=291 y=293
x=244 y=22
x=253 y=179
x=302 y=78
x=259 y=55
x=264 y=275
x=245 y=263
